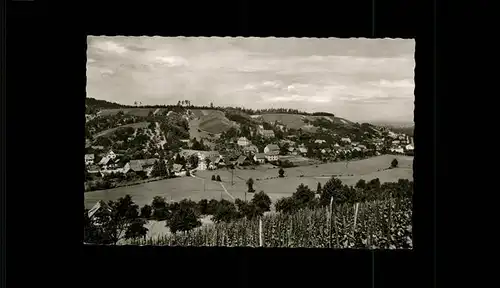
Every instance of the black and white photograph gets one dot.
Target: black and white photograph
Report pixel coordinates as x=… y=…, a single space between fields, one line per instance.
x=249 y=142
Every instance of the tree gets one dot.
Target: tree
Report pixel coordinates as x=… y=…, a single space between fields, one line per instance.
x=213 y=178
x=160 y=211
x=303 y=196
x=332 y=188
x=188 y=173
x=394 y=163
x=318 y=189
x=183 y=219
x=207 y=161
x=250 y=185
x=193 y=160
x=218 y=178
x=116 y=218
x=159 y=169
x=203 y=206
x=285 y=205
x=136 y=230
x=281 y=173
x=262 y=201
x=225 y=211
x=146 y=211
x=247 y=210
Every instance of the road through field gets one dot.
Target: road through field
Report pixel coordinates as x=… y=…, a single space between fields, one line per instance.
x=223 y=187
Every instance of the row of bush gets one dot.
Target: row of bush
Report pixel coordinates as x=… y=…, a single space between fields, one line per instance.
x=376 y=225
x=185 y=215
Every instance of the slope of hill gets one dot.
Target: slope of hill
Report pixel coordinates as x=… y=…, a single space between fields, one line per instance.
x=213 y=121
x=296 y=121
x=108 y=132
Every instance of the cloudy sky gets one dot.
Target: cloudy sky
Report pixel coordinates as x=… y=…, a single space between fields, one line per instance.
x=358 y=79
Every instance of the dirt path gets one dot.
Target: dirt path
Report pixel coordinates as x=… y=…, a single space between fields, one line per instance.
x=223 y=187
x=225 y=190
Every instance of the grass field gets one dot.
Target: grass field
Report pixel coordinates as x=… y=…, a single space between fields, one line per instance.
x=174 y=189
x=133 y=125
x=188 y=187
x=295 y=121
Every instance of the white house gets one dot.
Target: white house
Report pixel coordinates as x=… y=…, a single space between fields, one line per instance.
x=89 y=159
x=409 y=147
x=111 y=155
x=303 y=150
x=319 y=141
x=272 y=156
x=395 y=142
x=398 y=150
x=346 y=140
x=267 y=133
x=243 y=141
x=271 y=148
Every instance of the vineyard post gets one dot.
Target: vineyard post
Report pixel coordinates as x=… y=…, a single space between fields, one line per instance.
x=336 y=228
x=260 y=232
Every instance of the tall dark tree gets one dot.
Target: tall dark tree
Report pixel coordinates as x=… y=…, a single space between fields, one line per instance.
x=146 y=211
x=303 y=196
x=250 y=185
x=281 y=173
x=193 y=160
x=318 y=188
x=184 y=218
x=159 y=169
x=332 y=188
x=159 y=207
x=262 y=201
x=225 y=211
x=394 y=163
x=117 y=217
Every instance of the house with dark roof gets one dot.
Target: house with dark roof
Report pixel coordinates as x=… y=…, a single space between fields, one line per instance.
x=140 y=165
x=260 y=157
x=100 y=205
x=267 y=133
x=271 y=148
x=242 y=160
x=252 y=149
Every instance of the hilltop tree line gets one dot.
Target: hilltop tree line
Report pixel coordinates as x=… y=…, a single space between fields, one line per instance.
x=102 y=104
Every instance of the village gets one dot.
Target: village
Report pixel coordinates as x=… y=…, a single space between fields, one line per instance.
x=287 y=152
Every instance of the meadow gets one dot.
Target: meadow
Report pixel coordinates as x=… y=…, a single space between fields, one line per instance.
x=193 y=188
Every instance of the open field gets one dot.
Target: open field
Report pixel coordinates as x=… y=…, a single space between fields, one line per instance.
x=174 y=189
x=133 y=125
x=189 y=187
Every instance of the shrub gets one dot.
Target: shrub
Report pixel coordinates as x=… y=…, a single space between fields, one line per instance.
x=218 y=178
x=213 y=178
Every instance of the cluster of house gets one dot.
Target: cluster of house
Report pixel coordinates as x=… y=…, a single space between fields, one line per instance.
x=110 y=163
x=401 y=143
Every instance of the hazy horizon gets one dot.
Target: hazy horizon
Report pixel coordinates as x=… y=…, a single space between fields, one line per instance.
x=357 y=79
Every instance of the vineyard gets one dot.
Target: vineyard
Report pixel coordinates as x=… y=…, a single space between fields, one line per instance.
x=382 y=224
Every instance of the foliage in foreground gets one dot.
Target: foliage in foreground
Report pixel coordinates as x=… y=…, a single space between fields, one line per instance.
x=379 y=225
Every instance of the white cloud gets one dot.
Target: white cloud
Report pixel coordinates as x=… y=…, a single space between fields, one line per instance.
x=109 y=46
x=171 y=61
x=268 y=69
